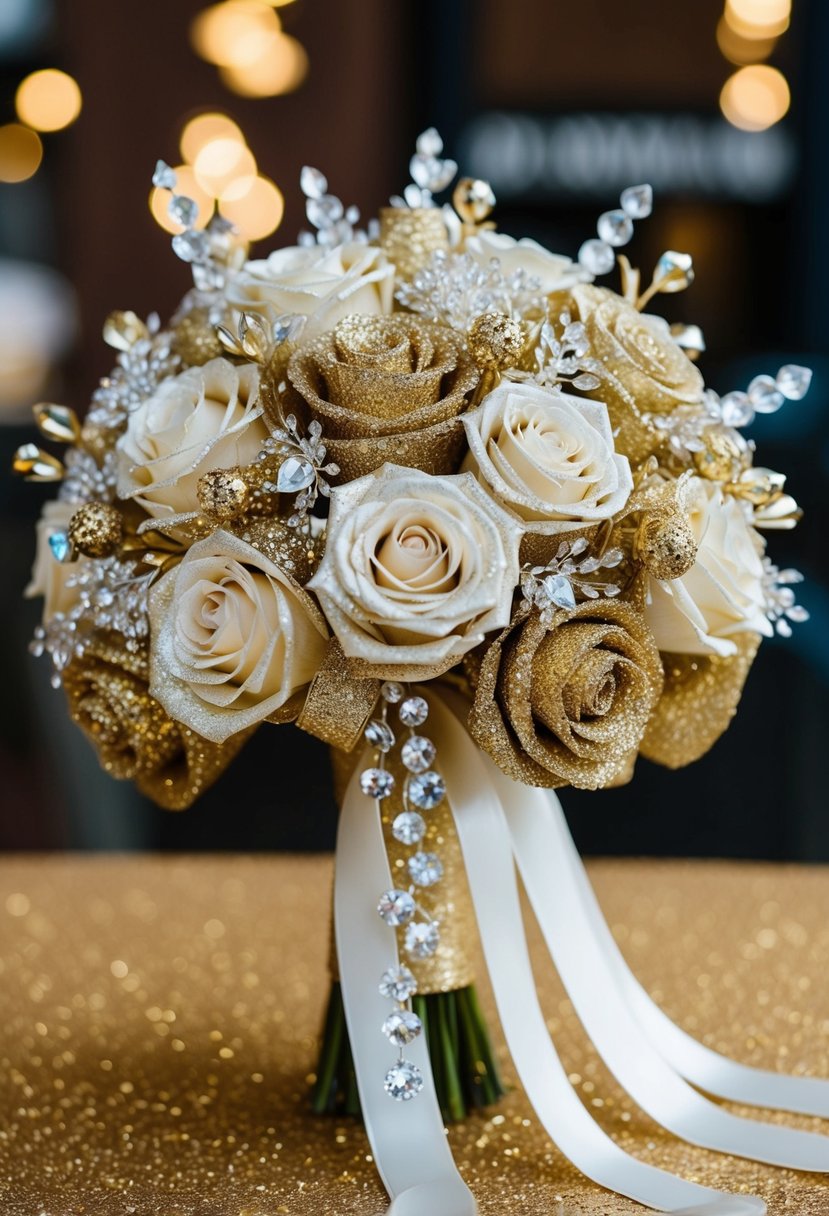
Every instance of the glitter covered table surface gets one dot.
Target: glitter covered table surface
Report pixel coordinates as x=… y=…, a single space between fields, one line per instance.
x=158 y=1033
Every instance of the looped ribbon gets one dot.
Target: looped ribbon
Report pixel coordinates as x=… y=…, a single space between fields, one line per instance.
x=502 y=824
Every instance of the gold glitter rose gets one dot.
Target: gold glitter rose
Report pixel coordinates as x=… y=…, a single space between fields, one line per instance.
x=136 y=740
x=417 y=569
x=549 y=458
x=387 y=389
x=208 y=417
x=319 y=284
x=721 y=595
x=644 y=370
x=234 y=639
x=568 y=704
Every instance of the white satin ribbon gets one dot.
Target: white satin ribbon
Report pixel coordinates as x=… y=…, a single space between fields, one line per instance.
x=408 y=1139
x=497 y=819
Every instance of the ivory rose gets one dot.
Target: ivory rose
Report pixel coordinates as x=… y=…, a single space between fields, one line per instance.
x=554 y=271
x=417 y=569
x=547 y=456
x=322 y=285
x=206 y=418
x=49 y=576
x=233 y=638
x=722 y=594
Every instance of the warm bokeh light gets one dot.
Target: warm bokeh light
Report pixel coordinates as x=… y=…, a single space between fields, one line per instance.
x=741 y=50
x=20 y=153
x=758 y=18
x=221 y=163
x=281 y=67
x=203 y=129
x=256 y=209
x=755 y=97
x=229 y=34
x=187 y=185
x=48 y=100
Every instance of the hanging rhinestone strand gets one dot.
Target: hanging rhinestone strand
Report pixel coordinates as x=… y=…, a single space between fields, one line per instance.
x=422 y=790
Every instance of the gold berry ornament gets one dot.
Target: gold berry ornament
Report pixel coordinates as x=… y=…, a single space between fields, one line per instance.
x=96 y=529
x=223 y=494
x=666 y=545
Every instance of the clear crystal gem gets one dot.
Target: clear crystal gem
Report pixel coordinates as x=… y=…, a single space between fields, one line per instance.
x=404 y=1081
x=793 y=381
x=396 y=907
x=764 y=395
x=312 y=183
x=391 y=692
x=183 y=210
x=597 y=256
x=164 y=177
x=414 y=711
x=422 y=938
x=677 y=269
x=376 y=782
x=191 y=246
x=61 y=546
x=408 y=827
x=426 y=790
x=559 y=591
x=380 y=735
x=615 y=227
x=398 y=983
x=325 y=211
x=418 y=753
x=736 y=409
x=413 y=195
x=429 y=143
x=637 y=201
x=402 y=1027
x=294 y=474
x=425 y=869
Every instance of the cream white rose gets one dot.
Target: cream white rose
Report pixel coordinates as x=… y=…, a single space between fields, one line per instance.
x=322 y=285
x=555 y=272
x=233 y=639
x=548 y=457
x=722 y=594
x=49 y=576
x=417 y=569
x=207 y=418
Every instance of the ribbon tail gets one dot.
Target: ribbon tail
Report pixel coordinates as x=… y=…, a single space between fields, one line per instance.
x=487 y=848
x=554 y=879
x=707 y=1069
x=408 y=1139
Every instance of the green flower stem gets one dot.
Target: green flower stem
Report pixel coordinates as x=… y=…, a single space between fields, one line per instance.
x=463 y=1064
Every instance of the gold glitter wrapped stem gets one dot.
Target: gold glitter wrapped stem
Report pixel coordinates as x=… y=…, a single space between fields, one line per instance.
x=410 y=235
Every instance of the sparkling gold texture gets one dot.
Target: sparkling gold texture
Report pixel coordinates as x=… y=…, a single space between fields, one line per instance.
x=496 y=340
x=387 y=389
x=223 y=494
x=338 y=703
x=134 y=738
x=410 y=235
x=700 y=698
x=568 y=704
x=159 y=1019
x=96 y=529
x=195 y=339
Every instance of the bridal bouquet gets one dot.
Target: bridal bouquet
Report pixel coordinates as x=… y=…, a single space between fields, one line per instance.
x=473 y=519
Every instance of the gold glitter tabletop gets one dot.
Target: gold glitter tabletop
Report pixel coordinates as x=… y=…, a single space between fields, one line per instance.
x=158 y=1024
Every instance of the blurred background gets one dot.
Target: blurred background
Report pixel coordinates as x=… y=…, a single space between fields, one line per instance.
x=723 y=107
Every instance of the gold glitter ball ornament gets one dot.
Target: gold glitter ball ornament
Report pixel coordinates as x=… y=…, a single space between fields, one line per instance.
x=223 y=494
x=96 y=529
x=473 y=199
x=666 y=545
x=722 y=457
x=496 y=340
x=195 y=339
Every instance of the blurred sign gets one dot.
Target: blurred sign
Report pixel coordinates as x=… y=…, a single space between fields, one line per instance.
x=593 y=155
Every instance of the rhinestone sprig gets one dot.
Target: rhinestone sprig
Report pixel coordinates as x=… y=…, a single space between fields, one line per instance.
x=781 y=605
x=454 y=289
x=303 y=469
x=554 y=587
x=335 y=223
x=430 y=172
x=209 y=251
x=562 y=357
x=404 y=907
x=615 y=229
